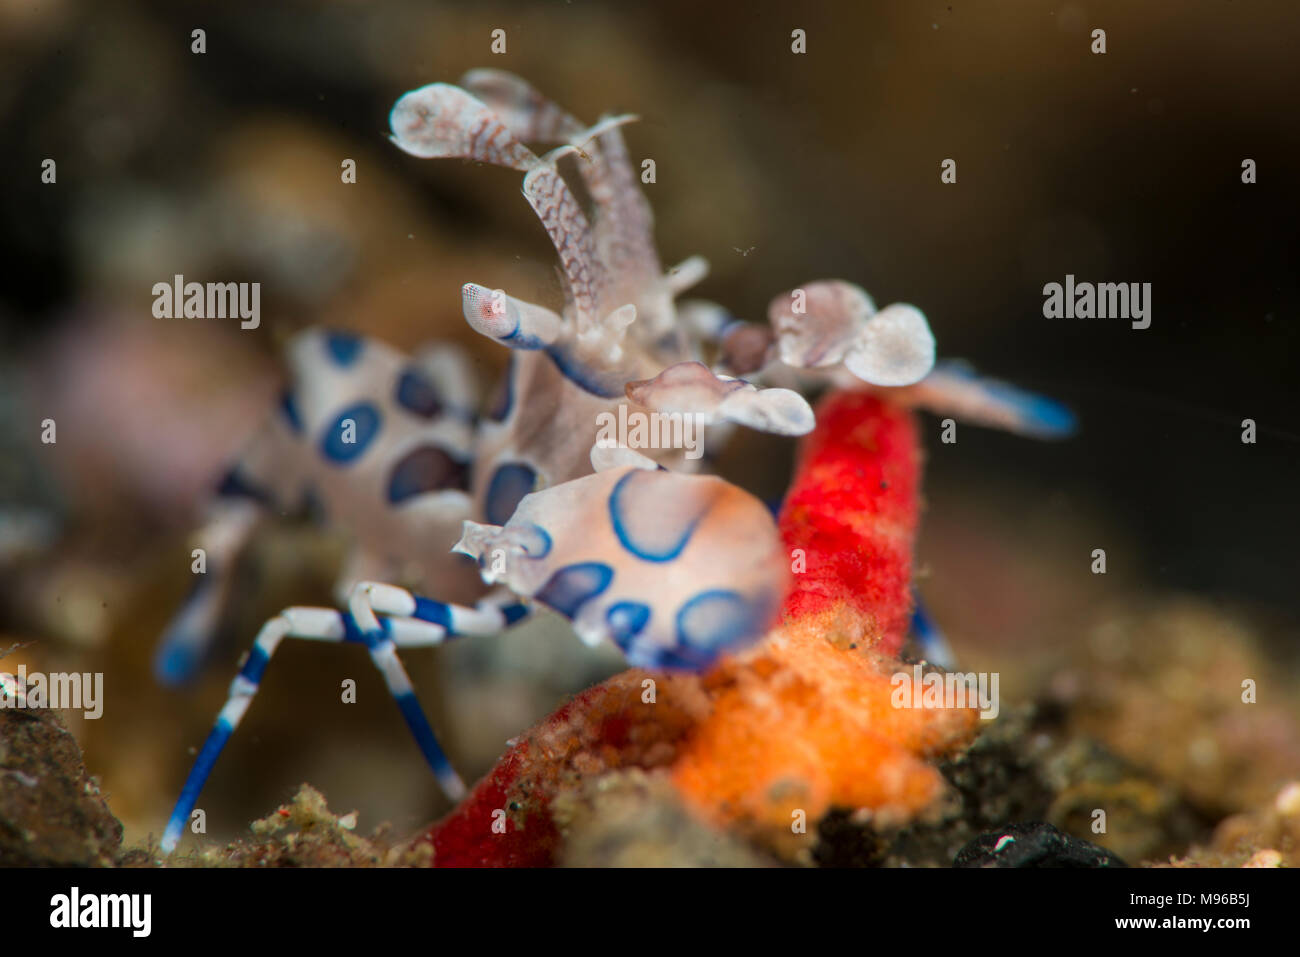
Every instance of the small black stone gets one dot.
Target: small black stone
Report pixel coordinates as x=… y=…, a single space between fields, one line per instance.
x=1033 y=845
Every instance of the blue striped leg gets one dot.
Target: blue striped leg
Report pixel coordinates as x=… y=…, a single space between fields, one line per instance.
x=491 y=616
x=411 y=621
x=415 y=623
x=188 y=637
x=929 y=638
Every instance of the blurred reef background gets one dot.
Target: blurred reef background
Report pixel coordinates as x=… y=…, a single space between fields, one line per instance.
x=1119 y=690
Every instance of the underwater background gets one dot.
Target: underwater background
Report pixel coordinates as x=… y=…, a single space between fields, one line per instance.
x=1122 y=167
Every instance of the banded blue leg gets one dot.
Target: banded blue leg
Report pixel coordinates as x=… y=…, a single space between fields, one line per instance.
x=931 y=640
x=409 y=621
x=188 y=637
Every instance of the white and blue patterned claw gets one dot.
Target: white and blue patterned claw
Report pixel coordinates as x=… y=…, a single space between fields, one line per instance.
x=443 y=121
x=953 y=388
x=674 y=569
x=834 y=323
x=691 y=388
x=529 y=115
x=507 y=320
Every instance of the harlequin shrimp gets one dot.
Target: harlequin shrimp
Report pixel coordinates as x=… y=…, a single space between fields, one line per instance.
x=630 y=544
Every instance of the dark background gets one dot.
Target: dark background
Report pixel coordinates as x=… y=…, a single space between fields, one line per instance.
x=1123 y=167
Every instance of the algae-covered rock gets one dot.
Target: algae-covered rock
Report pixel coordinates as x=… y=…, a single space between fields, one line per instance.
x=1034 y=844
x=51 y=811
